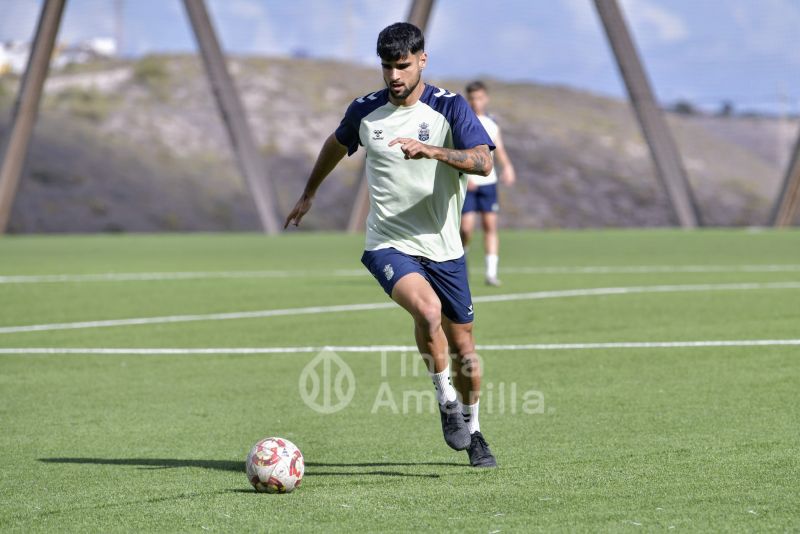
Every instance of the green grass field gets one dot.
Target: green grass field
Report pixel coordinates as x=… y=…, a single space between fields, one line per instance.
x=681 y=438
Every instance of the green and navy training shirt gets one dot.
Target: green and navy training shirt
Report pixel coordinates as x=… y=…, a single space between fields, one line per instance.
x=415 y=205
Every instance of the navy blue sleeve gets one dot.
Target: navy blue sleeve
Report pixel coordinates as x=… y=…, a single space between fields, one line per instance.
x=347 y=132
x=468 y=132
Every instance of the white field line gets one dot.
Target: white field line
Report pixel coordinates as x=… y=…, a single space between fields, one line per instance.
x=178 y=275
x=196 y=317
x=403 y=348
x=199 y=275
x=655 y=269
x=535 y=295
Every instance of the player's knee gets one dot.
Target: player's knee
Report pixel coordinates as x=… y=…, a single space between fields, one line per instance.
x=489 y=222
x=464 y=344
x=429 y=315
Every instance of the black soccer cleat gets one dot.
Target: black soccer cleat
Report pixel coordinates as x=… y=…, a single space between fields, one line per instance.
x=456 y=433
x=479 y=453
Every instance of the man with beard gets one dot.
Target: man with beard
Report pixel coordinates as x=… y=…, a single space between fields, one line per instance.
x=420 y=142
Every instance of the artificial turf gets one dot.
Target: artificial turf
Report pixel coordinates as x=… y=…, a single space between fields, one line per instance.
x=671 y=438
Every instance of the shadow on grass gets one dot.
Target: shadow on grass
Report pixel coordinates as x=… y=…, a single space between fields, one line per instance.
x=152 y=463
x=238 y=466
x=383 y=464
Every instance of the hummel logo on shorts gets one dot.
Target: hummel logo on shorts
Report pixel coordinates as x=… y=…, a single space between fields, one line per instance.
x=388 y=271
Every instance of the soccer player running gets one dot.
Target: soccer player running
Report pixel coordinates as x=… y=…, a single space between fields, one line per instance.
x=482 y=190
x=420 y=140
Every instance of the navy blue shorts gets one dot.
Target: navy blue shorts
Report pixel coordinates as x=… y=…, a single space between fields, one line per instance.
x=483 y=199
x=447 y=278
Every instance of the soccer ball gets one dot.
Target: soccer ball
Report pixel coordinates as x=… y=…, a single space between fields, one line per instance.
x=275 y=465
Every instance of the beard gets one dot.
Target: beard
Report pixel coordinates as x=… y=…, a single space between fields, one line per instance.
x=408 y=90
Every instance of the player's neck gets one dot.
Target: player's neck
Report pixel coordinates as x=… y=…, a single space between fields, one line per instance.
x=412 y=98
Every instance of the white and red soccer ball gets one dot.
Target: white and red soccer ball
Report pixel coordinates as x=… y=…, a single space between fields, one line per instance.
x=275 y=465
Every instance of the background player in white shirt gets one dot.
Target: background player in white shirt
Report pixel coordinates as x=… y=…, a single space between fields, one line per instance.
x=420 y=140
x=482 y=190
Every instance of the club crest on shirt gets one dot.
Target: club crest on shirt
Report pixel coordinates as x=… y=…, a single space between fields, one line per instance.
x=424 y=131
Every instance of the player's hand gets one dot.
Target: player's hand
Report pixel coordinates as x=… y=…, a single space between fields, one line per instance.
x=299 y=210
x=412 y=148
x=509 y=176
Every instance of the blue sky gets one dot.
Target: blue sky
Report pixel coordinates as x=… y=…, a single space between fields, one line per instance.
x=746 y=51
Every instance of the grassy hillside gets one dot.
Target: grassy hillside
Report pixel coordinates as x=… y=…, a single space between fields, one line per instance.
x=139 y=146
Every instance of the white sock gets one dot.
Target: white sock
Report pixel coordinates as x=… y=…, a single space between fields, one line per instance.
x=491 y=265
x=471 y=417
x=443 y=382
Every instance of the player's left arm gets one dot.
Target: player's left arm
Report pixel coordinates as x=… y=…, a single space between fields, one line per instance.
x=508 y=176
x=475 y=160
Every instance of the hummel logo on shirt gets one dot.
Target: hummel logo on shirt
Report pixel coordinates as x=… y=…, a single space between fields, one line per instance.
x=470 y=310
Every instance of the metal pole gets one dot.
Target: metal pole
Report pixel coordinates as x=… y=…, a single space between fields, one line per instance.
x=360 y=210
x=664 y=151
x=26 y=107
x=419 y=14
x=250 y=162
x=787 y=204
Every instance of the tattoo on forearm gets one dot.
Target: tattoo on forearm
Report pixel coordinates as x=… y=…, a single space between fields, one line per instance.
x=472 y=160
x=479 y=163
x=456 y=156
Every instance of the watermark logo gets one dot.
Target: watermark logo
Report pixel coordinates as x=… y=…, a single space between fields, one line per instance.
x=496 y=397
x=502 y=399
x=327 y=383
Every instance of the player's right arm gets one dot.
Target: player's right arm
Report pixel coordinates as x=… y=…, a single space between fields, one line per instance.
x=343 y=141
x=508 y=176
x=330 y=155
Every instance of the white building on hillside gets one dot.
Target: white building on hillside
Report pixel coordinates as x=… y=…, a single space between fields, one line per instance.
x=14 y=54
